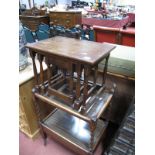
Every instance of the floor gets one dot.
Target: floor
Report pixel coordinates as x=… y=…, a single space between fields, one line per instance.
x=28 y=146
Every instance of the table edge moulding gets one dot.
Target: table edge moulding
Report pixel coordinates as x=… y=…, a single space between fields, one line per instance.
x=79 y=102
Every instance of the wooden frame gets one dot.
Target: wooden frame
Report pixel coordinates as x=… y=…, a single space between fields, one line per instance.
x=70 y=92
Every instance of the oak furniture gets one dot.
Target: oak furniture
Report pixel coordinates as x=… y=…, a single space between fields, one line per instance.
x=67 y=19
x=33 y=17
x=27 y=117
x=79 y=103
x=32 y=22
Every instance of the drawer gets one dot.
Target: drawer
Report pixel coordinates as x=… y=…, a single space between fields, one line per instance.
x=68 y=16
x=61 y=63
x=56 y=20
x=54 y=15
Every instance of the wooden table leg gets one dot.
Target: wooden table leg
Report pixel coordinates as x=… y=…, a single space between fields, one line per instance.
x=105 y=70
x=85 y=91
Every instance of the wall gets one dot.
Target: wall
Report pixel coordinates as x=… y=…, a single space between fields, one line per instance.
x=126 y=2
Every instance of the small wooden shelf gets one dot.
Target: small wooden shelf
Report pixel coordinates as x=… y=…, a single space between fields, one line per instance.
x=73 y=129
x=96 y=104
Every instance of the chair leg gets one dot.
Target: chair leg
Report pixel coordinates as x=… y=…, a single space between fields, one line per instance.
x=44 y=135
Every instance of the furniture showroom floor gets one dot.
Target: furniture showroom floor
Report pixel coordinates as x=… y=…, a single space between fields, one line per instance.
x=28 y=146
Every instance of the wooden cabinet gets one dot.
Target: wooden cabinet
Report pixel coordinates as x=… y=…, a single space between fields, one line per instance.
x=33 y=17
x=28 y=123
x=65 y=18
x=32 y=22
x=27 y=117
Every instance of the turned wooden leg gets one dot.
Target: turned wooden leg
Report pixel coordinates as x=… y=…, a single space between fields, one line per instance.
x=92 y=126
x=105 y=70
x=33 y=55
x=91 y=141
x=71 y=79
x=49 y=72
x=38 y=113
x=78 y=86
x=85 y=91
x=40 y=58
x=95 y=75
x=44 y=138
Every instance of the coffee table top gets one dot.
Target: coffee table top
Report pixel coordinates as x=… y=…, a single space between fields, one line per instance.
x=83 y=51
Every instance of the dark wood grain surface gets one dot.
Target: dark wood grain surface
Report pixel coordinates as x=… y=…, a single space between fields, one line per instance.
x=77 y=50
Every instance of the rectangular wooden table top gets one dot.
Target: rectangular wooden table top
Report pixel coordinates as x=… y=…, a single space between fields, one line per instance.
x=86 y=52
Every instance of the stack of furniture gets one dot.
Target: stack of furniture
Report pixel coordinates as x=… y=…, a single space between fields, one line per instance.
x=79 y=102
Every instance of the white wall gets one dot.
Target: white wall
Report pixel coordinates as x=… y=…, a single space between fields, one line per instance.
x=125 y=2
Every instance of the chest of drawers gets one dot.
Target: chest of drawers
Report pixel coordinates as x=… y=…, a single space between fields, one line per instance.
x=67 y=19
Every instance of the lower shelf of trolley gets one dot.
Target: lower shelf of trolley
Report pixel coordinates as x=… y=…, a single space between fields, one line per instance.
x=72 y=131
